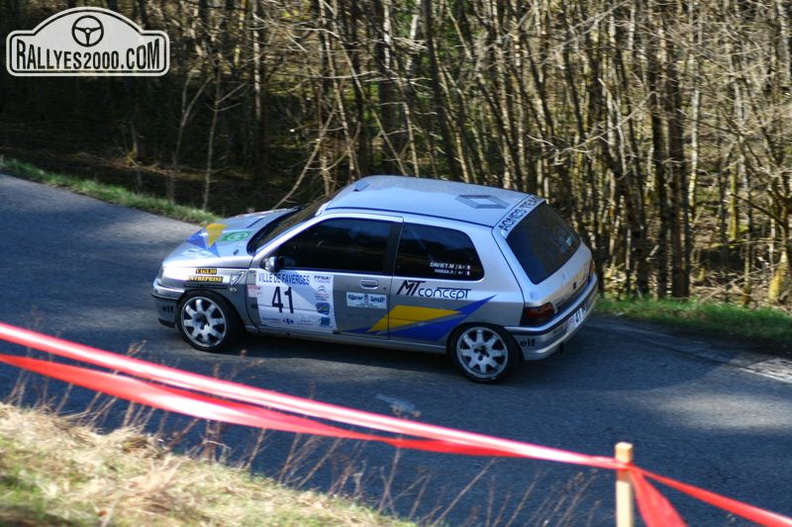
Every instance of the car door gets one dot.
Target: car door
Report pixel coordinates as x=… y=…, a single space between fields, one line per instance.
x=437 y=283
x=333 y=277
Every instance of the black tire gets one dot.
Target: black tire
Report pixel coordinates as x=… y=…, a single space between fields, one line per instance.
x=484 y=353
x=207 y=321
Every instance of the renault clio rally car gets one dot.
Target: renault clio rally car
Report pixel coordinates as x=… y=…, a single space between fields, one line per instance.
x=490 y=276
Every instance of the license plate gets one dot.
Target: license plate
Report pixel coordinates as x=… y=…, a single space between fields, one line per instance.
x=576 y=319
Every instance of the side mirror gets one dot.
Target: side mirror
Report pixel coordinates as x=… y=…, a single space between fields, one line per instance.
x=272 y=264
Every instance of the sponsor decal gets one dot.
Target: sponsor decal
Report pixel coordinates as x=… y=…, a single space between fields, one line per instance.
x=285 y=277
x=304 y=320
x=367 y=300
x=194 y=252
x=302 y=297
x=209 y=279
x=321 y=294
x=206 y=271
x=205 y=281
x=518 y=213
x=416 y=288
x=235 y=236
x=87 y=41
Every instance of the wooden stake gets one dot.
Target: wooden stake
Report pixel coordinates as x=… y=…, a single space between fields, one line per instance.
x=625 y=494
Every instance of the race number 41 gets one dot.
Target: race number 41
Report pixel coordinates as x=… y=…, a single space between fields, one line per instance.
x=277 y=299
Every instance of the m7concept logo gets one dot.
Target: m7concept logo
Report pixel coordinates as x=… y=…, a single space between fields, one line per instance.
x=87 y=41
x=415 y=288
x=410 y=287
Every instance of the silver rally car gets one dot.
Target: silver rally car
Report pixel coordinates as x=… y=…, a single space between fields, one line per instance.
x=490 y=276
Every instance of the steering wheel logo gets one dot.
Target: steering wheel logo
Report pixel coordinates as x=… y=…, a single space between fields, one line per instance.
x=87 y=31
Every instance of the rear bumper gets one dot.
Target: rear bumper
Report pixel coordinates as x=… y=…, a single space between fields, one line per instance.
x=541 y=342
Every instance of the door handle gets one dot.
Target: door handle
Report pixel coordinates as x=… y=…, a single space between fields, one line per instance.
x=369 y=284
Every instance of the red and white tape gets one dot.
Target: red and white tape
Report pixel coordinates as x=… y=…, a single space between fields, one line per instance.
x=175 y=390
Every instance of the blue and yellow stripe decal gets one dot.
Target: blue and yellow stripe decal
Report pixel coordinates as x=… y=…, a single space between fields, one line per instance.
x=421 y=323
x=207 y=237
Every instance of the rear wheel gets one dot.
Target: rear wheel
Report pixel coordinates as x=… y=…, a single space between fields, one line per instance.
x=207 y=321
x=484 y=353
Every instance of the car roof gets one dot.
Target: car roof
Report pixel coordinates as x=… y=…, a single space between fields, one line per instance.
x=428 y=197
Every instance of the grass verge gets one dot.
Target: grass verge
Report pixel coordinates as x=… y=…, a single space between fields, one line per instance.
x=109 y=193
x=54 y=472
x=769 y=326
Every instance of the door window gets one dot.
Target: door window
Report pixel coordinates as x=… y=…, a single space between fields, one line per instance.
x=343 y=245
x=435 y=252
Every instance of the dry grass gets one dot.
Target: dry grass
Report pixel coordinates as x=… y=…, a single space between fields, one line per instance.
x=57 y=473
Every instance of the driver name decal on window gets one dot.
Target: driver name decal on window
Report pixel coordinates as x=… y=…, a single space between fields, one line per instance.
x=299 y=299
x=451 y=269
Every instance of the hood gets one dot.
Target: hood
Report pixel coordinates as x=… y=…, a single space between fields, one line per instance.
x=223 y=243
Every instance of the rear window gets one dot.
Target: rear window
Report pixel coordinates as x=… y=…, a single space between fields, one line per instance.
x=542 y=242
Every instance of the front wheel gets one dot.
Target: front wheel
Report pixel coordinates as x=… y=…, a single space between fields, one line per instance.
x=207 y=321
x=484 y=353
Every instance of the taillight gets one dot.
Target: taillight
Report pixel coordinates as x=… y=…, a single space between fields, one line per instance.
x=591 y=268
x=536 y=316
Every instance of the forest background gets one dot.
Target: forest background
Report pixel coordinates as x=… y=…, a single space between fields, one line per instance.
x=658 y=128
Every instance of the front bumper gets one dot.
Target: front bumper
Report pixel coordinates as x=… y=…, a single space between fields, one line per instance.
x=165 y=300
x=541 y=342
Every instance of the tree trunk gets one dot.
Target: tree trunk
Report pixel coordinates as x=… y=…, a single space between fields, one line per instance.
x=678 y=210
x=658 y=163
x=438 y=102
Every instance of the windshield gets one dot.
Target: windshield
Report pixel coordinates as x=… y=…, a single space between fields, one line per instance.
x=294 y=217
x=542 y=242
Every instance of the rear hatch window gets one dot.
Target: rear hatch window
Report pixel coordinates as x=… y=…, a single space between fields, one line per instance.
x=542 y=242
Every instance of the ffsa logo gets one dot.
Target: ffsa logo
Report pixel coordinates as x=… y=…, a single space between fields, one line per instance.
x=87 y=41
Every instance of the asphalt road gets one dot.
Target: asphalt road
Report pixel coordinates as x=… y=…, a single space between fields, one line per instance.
x=703 y=412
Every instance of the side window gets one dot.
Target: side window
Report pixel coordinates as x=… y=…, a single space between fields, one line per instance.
x=339 y=245
x=435 y=252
